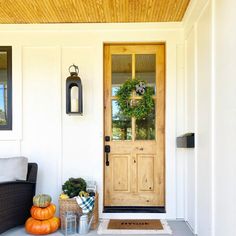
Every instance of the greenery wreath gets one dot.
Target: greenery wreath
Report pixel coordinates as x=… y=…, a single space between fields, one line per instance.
x=139 y=109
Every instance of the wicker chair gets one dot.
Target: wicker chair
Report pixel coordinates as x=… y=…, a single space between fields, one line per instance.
x=16 y=199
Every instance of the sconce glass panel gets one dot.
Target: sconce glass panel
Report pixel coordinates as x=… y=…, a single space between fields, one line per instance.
x=74 y=99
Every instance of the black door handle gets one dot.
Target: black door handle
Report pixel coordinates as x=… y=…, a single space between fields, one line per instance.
x=107 y=151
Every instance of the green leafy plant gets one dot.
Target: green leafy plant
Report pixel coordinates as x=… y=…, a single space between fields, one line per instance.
x=73 y=186
x=140 y=108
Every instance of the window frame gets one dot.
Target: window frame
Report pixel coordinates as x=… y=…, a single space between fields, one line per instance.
x=8 y=50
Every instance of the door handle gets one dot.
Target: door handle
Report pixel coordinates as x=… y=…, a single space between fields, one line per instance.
x=107 y=151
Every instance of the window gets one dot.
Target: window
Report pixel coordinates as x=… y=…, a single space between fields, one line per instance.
x=5 y=88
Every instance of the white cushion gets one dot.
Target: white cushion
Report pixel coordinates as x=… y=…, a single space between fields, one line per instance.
x=13 y=168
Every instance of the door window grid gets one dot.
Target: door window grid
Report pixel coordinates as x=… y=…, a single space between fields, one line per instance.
x=139 y=130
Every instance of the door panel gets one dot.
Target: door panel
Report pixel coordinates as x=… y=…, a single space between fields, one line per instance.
x=120 y=175
x=146 y=173
x=135 y=174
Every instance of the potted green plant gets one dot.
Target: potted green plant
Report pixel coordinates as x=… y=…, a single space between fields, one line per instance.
x=74 y=186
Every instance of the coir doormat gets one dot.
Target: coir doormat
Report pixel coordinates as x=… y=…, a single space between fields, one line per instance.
x=135 y=224
x=135 y=227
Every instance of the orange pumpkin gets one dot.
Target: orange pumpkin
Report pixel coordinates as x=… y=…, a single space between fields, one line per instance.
x=43 y=213
x=39 y=227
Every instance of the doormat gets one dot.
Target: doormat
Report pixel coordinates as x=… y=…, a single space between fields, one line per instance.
x=135 y=224
x=134 y=227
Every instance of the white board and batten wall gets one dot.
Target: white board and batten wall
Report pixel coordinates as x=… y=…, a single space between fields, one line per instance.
x=200 y=91
x=198 y=116
x=225 y=117
x=72 y=146
x=210 y=111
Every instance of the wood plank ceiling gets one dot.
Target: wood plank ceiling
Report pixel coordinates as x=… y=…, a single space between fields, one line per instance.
x=91 y=11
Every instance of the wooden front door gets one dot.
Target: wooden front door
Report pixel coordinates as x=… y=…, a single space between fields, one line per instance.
x=135 y=175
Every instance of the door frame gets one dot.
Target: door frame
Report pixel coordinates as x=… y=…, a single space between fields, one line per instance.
x=134 y=209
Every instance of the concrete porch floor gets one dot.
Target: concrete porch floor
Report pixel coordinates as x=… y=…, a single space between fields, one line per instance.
x=179 y=228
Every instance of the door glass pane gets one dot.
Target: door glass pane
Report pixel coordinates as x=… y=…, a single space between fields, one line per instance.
x=121 y=125
x=145 y=128
x=3 y=88
x=145 y=69
x=121 y=70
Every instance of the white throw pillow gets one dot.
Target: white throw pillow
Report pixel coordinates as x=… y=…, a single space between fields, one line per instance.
x=13 y=168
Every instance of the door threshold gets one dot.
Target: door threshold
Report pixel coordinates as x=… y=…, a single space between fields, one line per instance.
x=133 y=209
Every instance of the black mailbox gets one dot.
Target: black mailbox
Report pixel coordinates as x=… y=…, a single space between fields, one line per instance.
x=185 y=141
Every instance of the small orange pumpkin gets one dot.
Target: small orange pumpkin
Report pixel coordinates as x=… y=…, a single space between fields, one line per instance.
x=43 y=213
x=40 y=227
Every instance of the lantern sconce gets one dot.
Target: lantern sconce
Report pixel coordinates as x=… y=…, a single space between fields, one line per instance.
x=74 y=92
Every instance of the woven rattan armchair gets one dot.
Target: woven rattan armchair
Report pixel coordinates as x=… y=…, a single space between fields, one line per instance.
x=16 y=199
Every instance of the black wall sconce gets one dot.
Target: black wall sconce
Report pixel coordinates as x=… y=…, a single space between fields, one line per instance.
x=74 y=92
